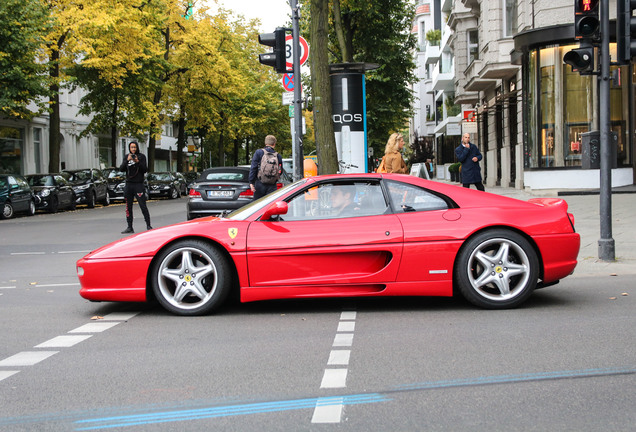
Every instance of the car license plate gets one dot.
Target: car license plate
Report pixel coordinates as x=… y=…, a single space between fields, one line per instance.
x=220 y=194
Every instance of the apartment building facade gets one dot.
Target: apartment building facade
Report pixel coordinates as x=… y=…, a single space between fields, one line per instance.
x=526 y=110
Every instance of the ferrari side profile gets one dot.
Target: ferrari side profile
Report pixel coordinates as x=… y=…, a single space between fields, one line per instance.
x=345 y=236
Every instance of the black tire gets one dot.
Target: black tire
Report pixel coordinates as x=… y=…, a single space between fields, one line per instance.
x=31 y=210
x=106 y=199
x=54 y=206
x=73 y=204
x=190 y=278
x=497 y=269
x=7 y=211
x=91 y=200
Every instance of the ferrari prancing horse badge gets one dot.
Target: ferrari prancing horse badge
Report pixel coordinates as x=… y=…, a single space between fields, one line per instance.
x=232 y=232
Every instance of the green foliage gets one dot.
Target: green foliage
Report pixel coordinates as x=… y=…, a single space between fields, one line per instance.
x=454 y=168
x=434 y=36
x=23 y=80
x=451 y=108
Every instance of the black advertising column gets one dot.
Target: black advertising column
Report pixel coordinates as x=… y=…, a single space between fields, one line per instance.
x=348 y=97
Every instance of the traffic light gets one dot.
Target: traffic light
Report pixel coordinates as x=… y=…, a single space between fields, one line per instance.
x=625 y=31
x=581 y=59
x=276 y=58
x=587 y=24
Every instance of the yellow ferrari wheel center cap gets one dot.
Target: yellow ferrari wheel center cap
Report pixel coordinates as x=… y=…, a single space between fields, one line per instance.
x=188 y=278
x=498 y=269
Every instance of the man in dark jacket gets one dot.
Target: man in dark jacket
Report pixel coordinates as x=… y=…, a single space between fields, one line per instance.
x=135 y=166
x=259 y=188
x=469 y=156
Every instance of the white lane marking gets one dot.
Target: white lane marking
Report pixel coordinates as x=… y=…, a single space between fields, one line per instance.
x=339 y=357
x=348 y=315
x=28 y=253
x=334 y=378
x=327 y=410
x=27 y=358
x=347 y=326
x=120 y=316
x=343 y=340
x=94 y=327
x=71 y=252
x=57 y=285
x=330 y=413
x=7 y=374
x=63 y=341
x=8 y=287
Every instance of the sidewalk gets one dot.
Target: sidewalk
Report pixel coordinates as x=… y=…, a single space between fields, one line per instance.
x=585 y=206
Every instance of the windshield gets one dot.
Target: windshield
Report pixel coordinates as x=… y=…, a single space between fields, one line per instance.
x=82 y=175
x=251 y=208
x=159 y=176
x=40 y=180
x=115 y=174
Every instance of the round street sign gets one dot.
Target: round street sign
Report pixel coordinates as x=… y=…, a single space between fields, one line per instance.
x=289 y=51
x=288 y=81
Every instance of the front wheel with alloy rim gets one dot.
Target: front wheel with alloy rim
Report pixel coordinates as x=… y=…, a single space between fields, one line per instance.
x=92 y=199
x=497 y=269
x=31 y=210
x=7 y=210
x=191 y=278
x=106 y=199
x=174 y=193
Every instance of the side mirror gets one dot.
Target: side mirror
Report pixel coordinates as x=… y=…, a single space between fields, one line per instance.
x=277 y=208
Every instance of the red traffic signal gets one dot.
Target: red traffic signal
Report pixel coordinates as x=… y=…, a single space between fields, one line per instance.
x=587 y=24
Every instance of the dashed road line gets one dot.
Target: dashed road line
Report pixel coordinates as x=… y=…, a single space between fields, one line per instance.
x=63 y=341
x=30 y=358
x=27 y=358
x=329 y=410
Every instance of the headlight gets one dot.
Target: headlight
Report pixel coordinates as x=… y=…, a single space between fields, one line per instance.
x=83 y=187
x=166 y=187
x=45 y=192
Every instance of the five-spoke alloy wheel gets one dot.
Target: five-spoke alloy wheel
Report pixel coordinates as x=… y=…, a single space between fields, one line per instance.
x=497 y=269
x=191 y=278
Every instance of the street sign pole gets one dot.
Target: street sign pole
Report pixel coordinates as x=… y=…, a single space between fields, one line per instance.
x=606 y=250
x=298 y=126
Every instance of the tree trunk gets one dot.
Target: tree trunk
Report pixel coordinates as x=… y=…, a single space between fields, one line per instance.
x=345 y=46
x=321 y=86
x=54 y=122
x=181 y=139
x=114 y=136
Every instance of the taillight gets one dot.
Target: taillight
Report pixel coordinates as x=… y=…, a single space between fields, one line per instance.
x=279 y=185
x=247 y=193
x=194 y=193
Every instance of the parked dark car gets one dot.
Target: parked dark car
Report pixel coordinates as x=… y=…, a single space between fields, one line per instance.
x=219 y=190
x=15 y=196
x=164 y=184
x=53 y=190
x=116 y=181
x=89 y=186
x=183 y=183
x=191 y=177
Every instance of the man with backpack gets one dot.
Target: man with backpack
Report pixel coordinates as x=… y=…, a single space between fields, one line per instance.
x=266 y=168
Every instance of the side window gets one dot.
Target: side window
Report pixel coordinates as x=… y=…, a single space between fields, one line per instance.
x=337 y=200
x=23 y=184
x=409 y=198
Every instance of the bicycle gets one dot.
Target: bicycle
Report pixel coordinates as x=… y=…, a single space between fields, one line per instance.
x=345 y=166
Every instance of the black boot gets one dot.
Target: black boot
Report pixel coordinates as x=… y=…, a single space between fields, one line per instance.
x=128 y=230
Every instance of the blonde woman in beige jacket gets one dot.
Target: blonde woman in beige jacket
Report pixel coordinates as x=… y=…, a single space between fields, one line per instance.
x=393 y=160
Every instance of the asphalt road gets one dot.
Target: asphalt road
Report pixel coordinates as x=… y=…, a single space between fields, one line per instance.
x=565 y=361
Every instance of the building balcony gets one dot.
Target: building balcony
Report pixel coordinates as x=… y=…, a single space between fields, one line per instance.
x=444 y=76
x=432 y=53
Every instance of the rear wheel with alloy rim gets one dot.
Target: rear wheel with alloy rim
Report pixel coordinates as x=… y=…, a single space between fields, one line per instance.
x=497 y=269
x=191 y=278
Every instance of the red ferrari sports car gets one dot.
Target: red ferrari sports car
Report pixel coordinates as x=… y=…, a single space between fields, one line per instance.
x=345 y=236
